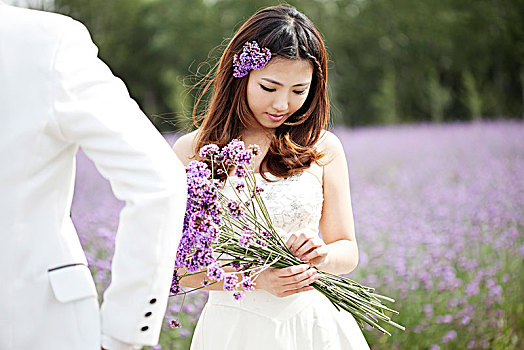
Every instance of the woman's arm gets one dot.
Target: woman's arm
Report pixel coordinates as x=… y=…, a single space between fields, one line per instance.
x=184 y=147
x=337 y=251
x=279 y=282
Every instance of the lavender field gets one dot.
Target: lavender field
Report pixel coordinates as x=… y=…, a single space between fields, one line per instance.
x=439 y=213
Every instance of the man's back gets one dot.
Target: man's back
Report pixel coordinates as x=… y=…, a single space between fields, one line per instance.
x=37 y=166
x=56 y=96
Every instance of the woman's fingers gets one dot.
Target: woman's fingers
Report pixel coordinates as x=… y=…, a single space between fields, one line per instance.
x=309 y=246
x=289 y=280
x=297 y=285
x=296 y=241
x=296 y=279
x=301 y=280
x=315 y=254
x=292 y=270
x=292 y=238
x=304 y=247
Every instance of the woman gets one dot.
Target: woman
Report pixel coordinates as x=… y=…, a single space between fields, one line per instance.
x=270 y=90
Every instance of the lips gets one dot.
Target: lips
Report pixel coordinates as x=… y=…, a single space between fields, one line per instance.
x=276 y=117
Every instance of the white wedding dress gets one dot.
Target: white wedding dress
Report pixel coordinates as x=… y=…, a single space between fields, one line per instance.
x=262 y=321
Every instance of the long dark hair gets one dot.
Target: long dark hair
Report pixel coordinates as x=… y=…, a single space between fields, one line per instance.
x=289 y=34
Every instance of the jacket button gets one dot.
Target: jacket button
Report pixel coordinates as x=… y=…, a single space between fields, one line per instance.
x=145 y=328
x=148 y=314
x=152 y=301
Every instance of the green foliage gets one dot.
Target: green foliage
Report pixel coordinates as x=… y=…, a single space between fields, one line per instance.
x=438 y=97
x=472 y=95
x=380 y=52
x=385 y=101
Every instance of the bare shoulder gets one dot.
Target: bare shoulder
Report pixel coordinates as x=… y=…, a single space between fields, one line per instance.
x=329 y=144
x=184 y=147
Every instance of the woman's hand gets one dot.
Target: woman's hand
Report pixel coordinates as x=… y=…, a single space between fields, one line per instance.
x=310 y=249
x=287 y=281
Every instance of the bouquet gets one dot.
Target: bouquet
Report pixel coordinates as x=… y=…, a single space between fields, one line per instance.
x=236 y=231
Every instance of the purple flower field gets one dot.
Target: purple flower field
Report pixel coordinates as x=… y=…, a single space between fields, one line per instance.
x=439 y=213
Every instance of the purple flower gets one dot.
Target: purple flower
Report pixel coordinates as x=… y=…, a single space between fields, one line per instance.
x=232 y=152
x=252 y=57
x=449 y=336
x=247 y=266
x=175 y=324
x=236 y=209
x=238 y=295
x=428 y=310
x=235 y=153
x=447 y=319
x=240 y=186
x=175 y=283
x=247 y=284
x=245 y=239
x=453 y=302
x=261 y=242
x=215 y=272
x=202 y=219
x=175 y=287
x=240 y=171
x=209 y=151
x=255 y=149
x=472 y=289
x=444 y=319
x=256 y=190
x=188 y=308
x=495 y=291
x=230 y=282
x=266 y=235
x=465 y=320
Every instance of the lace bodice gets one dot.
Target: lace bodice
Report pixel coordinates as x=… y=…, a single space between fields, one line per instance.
x=294 y=203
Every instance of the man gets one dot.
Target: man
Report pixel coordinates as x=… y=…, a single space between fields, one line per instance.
x=56 y=96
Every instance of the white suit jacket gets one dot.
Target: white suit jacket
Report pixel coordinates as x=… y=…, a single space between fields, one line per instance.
x=57 y=96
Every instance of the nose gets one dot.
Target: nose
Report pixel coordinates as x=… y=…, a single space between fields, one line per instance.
x=280 y=103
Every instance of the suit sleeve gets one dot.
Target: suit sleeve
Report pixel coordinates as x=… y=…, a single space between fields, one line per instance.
x=93 y=110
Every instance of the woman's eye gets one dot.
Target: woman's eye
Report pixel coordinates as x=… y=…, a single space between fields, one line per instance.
x=302 y=92
x=265 y=88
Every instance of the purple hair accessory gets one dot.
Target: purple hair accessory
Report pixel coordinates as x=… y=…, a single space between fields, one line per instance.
x=252 y=57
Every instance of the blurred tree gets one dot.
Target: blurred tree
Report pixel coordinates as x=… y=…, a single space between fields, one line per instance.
x=380 y=53
x=385 y=101
x=121 y=31
x=438 y=97
x=472 y=95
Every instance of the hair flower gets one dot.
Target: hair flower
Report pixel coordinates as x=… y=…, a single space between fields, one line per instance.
x=252 y=57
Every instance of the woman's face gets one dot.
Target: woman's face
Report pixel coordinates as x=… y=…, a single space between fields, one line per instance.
x=278 y=90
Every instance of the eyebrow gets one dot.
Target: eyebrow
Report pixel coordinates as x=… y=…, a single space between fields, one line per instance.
x=280 y=84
